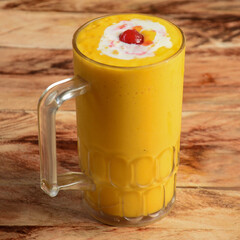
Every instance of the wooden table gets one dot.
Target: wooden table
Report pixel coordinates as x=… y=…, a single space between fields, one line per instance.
x=35 y=51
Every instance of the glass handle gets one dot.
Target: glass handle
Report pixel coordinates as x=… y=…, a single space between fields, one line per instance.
x=51 y=99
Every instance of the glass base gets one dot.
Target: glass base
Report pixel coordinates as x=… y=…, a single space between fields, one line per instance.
x=129 y=222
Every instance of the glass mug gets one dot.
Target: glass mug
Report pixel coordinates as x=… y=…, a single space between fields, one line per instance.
x=128 y=129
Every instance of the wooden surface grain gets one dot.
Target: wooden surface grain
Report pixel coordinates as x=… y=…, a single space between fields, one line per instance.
x=35 y=50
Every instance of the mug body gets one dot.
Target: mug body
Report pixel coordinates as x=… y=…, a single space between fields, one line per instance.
x=128 y=127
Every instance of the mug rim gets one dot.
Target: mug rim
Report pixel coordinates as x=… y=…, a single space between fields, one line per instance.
x=74 y=44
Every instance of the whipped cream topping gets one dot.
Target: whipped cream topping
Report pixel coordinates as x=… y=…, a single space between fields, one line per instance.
x=111 y=46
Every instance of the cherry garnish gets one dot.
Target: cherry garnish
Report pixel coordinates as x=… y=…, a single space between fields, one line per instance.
x=131 y=36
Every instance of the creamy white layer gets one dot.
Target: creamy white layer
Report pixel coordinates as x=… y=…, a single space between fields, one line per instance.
x=111 y=46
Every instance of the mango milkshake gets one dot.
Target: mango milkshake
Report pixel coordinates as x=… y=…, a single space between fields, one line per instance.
x=129 y=122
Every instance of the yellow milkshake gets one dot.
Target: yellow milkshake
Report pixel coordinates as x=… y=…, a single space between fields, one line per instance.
x=129 y=122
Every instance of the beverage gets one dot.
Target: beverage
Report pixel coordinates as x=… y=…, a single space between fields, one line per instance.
x=128 y=84
x=129 y=122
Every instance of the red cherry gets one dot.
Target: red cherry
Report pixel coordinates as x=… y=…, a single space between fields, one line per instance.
x=131 y=36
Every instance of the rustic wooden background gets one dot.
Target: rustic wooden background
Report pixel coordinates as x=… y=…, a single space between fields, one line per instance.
x=35 y=51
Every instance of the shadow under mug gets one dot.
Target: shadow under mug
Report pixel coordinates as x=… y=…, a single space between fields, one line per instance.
x=128 y=129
